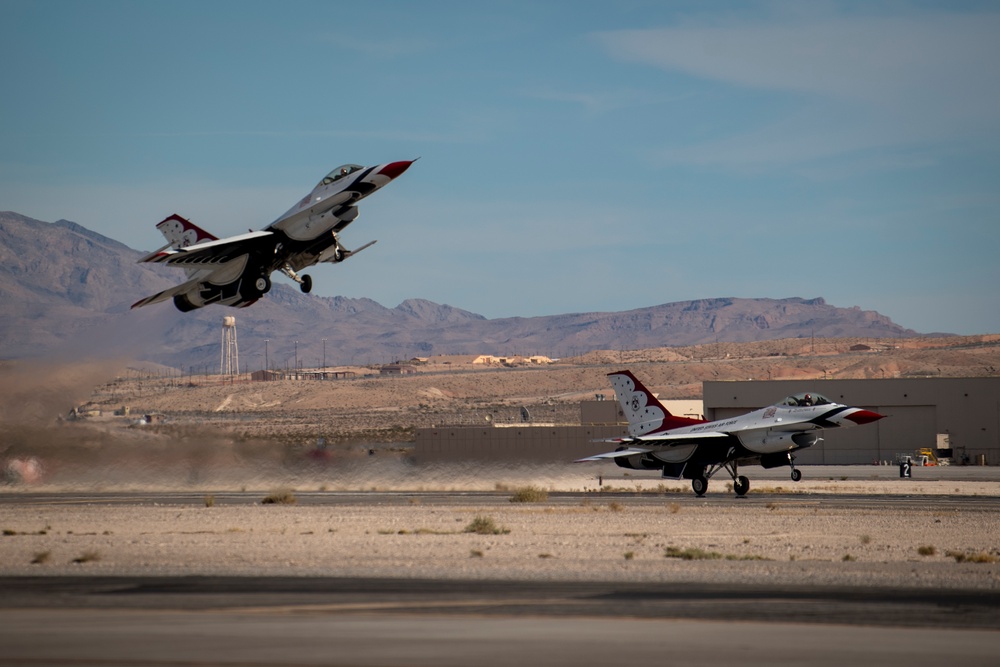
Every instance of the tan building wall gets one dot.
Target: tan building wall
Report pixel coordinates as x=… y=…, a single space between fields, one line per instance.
x=561 y=444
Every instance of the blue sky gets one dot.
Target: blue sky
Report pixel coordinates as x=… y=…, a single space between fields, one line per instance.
x=584 y=156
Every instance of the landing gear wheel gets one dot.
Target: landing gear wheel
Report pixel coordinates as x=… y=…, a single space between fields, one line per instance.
x=796 y=475
x=307 y=284
x=263 y=284
x=699 y=484
x=741 y=485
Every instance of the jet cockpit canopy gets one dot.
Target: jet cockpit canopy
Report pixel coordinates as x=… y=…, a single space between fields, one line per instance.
x=339 y=173
x=805 y=399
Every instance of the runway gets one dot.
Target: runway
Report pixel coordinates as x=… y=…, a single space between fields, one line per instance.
x=267 y=619
x=847 y=501
x=63 y=621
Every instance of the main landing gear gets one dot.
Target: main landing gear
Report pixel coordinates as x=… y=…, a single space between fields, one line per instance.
x=305 y=282
x=741 y=484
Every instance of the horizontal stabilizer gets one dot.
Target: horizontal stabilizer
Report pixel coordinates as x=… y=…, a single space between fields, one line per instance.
x=167 y=293
x=218 y=251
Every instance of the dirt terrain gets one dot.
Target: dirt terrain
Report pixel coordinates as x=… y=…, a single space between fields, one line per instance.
x=451 y=390
x=243 y=440
x=212 y=432
x=776 y=538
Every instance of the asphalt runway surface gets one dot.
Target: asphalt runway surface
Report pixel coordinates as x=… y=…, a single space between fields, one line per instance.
x=459 y=498
x=63 y=621
x=212 y=620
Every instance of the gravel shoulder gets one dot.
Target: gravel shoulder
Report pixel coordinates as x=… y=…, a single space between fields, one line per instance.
x=788 y=540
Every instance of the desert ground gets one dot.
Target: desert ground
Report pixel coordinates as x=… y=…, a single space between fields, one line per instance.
x=845 y=526
x=452 y=390
x=223 y=446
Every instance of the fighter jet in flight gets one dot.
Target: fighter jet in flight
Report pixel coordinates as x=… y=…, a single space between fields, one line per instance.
x=695 y=449
x=236 y=271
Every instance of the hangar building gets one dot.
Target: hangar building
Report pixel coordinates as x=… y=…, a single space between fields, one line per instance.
x=966 y=411
x=922 y=413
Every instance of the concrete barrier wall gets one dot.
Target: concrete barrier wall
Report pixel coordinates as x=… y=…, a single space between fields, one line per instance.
x=521 y=443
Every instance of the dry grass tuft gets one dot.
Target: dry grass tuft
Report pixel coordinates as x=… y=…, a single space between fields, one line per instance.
x=484 y=525
x=927 y=550
x=87 y=557
x=694 y=553
x=41 y=557
x=282 y=497
x=529 y=494
x=691 y=553
x=979 y=557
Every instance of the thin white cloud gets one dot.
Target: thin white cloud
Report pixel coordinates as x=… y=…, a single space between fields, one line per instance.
x=862 y=82
x=879 y=60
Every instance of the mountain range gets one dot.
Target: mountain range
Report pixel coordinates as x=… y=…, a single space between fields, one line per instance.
x=65 y=291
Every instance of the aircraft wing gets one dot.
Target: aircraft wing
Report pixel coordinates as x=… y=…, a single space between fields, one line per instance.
x=628 y=451
x=650 y=443
x=211 y=252
x=678 y=438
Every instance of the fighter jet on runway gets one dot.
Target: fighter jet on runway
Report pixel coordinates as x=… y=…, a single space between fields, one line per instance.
x=236 y=271
x=695 y=449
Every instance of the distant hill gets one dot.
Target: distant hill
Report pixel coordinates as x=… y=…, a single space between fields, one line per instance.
x=66 y=291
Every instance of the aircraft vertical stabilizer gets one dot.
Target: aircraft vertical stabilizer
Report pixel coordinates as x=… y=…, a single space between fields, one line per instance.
x=644 y=412
x=182 y=233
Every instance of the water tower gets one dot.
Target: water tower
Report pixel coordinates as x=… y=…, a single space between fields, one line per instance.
x=229 y=363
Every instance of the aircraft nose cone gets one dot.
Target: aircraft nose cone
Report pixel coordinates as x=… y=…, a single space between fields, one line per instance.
x=860 y=417
x=394 y=169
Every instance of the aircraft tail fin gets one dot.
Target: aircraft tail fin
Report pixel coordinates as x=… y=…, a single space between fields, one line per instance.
x=181 y=232
x=645 y=413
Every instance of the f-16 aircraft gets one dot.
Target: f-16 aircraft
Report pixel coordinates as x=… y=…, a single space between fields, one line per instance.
x=696 y=449
x=236 y=271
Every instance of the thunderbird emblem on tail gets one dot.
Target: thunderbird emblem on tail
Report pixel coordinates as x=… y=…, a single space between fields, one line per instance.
x=236 y=271
x=696 y=449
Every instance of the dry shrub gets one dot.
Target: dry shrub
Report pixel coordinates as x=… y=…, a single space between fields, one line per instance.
x=529 y=494
x=484 y=525
x=282 y=497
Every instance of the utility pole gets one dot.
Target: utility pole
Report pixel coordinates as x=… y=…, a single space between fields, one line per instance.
x=324 y=354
